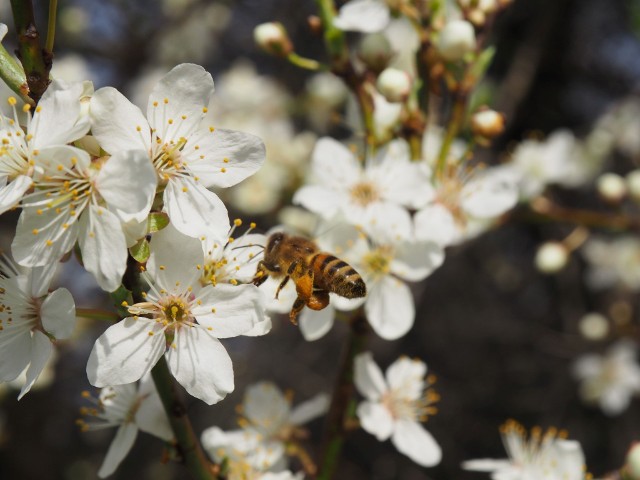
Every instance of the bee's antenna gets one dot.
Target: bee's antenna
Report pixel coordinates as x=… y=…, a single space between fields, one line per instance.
x=247 y=246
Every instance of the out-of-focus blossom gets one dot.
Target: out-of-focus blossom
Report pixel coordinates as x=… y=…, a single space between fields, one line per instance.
x=268 y=423
x=394 y=85
x=129 y=407
x=363 y=16
x=31 y=319
x=611 y=187
x=610 y=380
x=404 y=42
x=325 y=94
x=594 y=326
x=551 y=257
x=432 y=142
x=538 y=456
x=455 y=40
x=273 y=38
x=613 y=262
x=632 y=464
x=396 y=405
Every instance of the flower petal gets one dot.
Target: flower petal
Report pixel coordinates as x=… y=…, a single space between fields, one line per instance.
x=390 y=308
x=436 y=223
x=266 y=407
x=238 y=308
x=103 y=246
x=194 y=210
x=375 y=419
x=115 y=122
x=174 y=257
x=307 y=411
x=201 y=365
x=407 y=376
x=315 y=324
x=411 y=439
x=12 y=193
x=486 y=464
x=125 y=352
x=151 y=416
x=58 y=313
x=490 y=194
x=319 y=199
x=368 y=377
x=120 y=446
x=127 y=182
x=363 y=16
x=180 y=96
x=416 y=261
x=41 y=350
x=224 y=158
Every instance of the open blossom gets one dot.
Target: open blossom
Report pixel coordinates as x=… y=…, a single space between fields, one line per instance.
x=363 y=16
x=80 y=199
x=464 y=202
x=610 y=380
x=31 y=319
x=268 y=423
x=188 y=157
x=396 y=404
x=385 y=263
x=375 y=194
x=56 y=121
x=541 y=456
x=129 y=407
x=184 y=321
x=613 y=262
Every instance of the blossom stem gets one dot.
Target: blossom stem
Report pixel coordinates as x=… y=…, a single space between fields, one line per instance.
x=587 y=218
x=188 y=444
x=51 y=26
x=337 y=422
x=303 y=62
x=97 y=314
x=453 y=127
x=36 y=62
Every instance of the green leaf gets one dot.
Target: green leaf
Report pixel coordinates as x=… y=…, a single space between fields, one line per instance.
x=482 y=63
x=156 y=221
x=140 y=251
x=121 y=297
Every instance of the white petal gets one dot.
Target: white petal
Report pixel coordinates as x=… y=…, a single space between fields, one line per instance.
x=368 y=377
x=12 y=193
x=406 y=376
x=40 y=279
x=319 y=199
x=15 y=354
x=115 y=121
x=489 y=194
x=58 y=313
x=127 y=182
x=244 y=155
x=3 y=31
x=125 y=352
x=41 y=350
x=334 y=165
x=411 y=439
x=265 y=406
x=375 y=419
x=390 y=308
x=260 y=328
x=238 y=308
x=386 y=222
x=570 y=459
x=58 y=119
x=436 y=223
x=151 y=416
x=416 y=261
x=315 y=324
x=307 y=411
x=177 y=254
x=103 y=246
x=201 y=365
x=180 y=96
x=486 y=464
x=194 y=210
x=120 y=446
x=363 y=16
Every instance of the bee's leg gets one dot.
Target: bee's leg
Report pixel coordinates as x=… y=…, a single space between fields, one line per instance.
x=297 y=307
x=261 y=274
x=318 y=300
x=283 y=283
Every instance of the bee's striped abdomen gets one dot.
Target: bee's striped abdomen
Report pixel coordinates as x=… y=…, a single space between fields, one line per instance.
x=337 y=276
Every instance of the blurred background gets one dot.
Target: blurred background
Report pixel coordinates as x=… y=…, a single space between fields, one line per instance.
x=501 y=337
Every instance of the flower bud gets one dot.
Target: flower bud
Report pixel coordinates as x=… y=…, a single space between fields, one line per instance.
x=633 y=462
x=375 y=51
x=487 y=123
x=272 y=38
x=456 y=39
x=594 y=326
x=551 y=257
x=633 y=184
x=394 y=85
x=611 y=187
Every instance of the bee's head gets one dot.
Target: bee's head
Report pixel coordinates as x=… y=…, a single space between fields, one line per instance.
x=274 y=243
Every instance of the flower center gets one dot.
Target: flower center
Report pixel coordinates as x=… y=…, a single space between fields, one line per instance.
x=404 y=407
x=364 y=193
x=175 y=311
x=168 y=158
x=378 y=262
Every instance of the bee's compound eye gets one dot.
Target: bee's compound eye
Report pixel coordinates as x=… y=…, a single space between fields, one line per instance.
x=274 y=241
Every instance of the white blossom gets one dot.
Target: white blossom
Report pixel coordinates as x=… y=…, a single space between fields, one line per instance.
x=396 y=404
x=363 y=16
x=541 y=456
x=613 y=262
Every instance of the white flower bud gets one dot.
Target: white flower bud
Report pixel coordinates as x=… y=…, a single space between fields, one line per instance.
x=551 y=257
x=487 y=123
x=594 y=326
x=394 y=85
x=375 y=51
x=456 y=39
x=633 y=184
x=272 y=38
x=611 y=187
x=633 y=462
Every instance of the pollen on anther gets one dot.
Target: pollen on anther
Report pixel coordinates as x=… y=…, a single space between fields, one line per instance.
x=252 y=225
x=125 y=303
x=12 y=101
x=48 y=243
x=166 y=100
x=155 y=104
x=185 y=189
x=60 y=168
x=162 y=267
x=205 y=109
x=211 y=129
x=35 y=231
x=150 y=334
x=223 y=169
x=38 y=109
x=26 y=107
x=213 y=310
x=225 y=160
x=183 y=117
x=170 y=121
x=237 y=222
x=138 y=128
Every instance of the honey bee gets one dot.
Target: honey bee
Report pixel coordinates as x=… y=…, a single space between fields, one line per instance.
x=315 y=273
